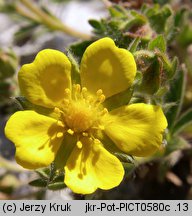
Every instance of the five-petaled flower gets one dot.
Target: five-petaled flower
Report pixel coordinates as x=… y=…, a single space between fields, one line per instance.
x=76 y=134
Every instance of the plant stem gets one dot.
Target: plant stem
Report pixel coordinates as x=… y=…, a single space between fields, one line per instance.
x=53 y=22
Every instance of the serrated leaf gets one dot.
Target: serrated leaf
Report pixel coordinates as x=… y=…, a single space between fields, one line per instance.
x=158 y=43
x=56 y=186
x=184 y=121
x=38 y=183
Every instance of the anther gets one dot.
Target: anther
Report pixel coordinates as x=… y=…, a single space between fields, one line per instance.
x=104 y=111
x=102 y=98
x=69 y=131
x=85 y=134
x=84 y=89
x=65 y=102
x=96 y=141
x=79 y=144
x=84 y=92
x=60 y=123
x=57 y=110
x=99 y=92
x=77 y=88
x=59 y=135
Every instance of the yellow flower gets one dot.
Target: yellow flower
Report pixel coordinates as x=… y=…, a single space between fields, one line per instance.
x=75 y=138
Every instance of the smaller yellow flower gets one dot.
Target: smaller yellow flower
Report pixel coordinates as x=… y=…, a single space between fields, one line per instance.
x=75 y=137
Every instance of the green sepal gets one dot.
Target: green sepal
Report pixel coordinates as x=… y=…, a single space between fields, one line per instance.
x=27 y=105
x=129 y=168
x=118 y=100
x=65 y=150
x=77 y=49
x=75 y=73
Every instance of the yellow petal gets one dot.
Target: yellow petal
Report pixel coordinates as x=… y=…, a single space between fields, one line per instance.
x=36 y=137
x=136 y=129
x=43 y=82
x=90 y=166
x=107 y=67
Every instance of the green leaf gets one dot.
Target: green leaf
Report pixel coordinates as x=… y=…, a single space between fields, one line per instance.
x=158 y=43
x=184 y=120
x=97 y=25
x=176 y=143
x=38 y=183
x=117 y=11
x=44 y=173
x=159 y=19
x=161 y=2
x=134 y=44
x=56 y=186
x=175 y=95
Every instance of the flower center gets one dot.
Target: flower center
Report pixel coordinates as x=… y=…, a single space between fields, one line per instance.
x=81 y=112
x=79 y=116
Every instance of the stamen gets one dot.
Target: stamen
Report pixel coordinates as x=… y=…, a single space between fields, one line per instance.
x=84 y=89
x=60 y=123
x=77 y=88
x=99 y=92
x=96 y=141
x=85 y=134
x=84 y=92
x=65 y=102
x=57 y=110
x=102 y=98
x=104 y=111
x=76 y=91
x=69 y=131
x=79 y=144
x=67 y=91
x=59 y=135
